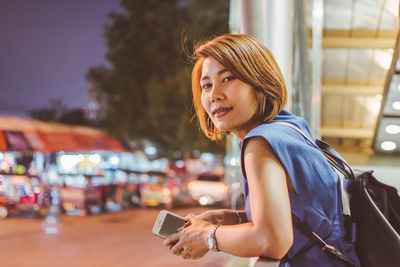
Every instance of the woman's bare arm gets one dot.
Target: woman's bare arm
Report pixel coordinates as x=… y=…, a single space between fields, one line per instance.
x=270 y=234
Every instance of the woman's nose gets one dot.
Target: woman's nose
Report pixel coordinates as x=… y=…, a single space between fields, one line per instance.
x=216 y=93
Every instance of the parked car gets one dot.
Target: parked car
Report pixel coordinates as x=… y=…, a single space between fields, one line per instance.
x=209 y=189
x=158 y=189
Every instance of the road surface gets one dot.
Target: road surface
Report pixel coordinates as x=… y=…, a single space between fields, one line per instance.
x=113 y=239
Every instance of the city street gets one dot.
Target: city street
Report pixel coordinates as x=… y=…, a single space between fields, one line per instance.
x=114 y=239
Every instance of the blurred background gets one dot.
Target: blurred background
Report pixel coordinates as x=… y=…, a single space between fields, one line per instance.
x=97 y=126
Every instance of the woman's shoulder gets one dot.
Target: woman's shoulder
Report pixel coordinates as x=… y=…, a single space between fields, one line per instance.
x=274 y=130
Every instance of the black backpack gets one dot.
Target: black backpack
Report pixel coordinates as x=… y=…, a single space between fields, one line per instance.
x=375 y=212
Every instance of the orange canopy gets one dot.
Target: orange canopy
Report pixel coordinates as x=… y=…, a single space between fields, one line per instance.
x=52 y=136
x=3 y=144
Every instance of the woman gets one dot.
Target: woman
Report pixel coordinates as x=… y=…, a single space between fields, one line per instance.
x=238 y=88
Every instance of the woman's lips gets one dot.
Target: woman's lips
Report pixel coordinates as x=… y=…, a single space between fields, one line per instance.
x=222 y=112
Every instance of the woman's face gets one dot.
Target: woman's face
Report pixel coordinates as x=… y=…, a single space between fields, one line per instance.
x=229 y=102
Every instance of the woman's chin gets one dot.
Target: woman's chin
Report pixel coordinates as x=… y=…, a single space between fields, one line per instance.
x=222 y=127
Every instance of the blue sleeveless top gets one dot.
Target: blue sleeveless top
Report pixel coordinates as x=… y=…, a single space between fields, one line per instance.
x=317 y=200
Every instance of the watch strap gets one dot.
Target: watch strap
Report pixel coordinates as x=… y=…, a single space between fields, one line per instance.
x=213 y=236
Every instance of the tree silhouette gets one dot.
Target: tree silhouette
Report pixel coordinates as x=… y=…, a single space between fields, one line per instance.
x=147 y=84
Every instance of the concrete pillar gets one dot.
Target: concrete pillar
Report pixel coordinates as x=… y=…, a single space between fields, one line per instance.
x=271 y=21
x=317 y=23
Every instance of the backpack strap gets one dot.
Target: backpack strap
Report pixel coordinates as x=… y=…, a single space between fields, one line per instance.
x=327 y=249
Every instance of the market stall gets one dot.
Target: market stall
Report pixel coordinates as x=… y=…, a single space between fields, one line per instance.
x=58 y=154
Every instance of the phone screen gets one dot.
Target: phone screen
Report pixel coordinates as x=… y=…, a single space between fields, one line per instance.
x=171 y=225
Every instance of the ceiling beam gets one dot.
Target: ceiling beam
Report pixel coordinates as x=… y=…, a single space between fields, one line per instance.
x=355 y=42
x=353 y=133
x=362 y=33
x=358 y=42
x=356 y=39
x=347 y=89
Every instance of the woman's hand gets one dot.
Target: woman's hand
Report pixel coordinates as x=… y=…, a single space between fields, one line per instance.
x=222 y=216
x=192 y=240
x=212 y=216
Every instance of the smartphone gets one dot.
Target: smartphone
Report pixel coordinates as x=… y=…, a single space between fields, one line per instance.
x=167 y=223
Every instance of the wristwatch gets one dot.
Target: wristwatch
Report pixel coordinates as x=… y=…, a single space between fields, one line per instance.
x=211 y=240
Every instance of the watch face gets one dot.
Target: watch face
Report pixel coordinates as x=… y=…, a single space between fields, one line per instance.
x=210 y=242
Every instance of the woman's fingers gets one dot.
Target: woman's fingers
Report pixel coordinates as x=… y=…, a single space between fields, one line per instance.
x=193 y=253
x=190 y=216
x=172 y=239
x=186 y=255
x=187 y=224
x=177 y=249
x=187 y=242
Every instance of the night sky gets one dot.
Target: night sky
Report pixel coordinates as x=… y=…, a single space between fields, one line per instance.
x=46 y=48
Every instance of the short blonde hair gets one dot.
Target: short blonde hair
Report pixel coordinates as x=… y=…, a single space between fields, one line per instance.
x=251 y=62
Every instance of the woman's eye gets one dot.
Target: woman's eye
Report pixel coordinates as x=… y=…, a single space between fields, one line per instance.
x=206 y=86
x=227 y=79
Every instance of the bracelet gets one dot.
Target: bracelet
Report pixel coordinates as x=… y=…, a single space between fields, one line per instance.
x=239 y=219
